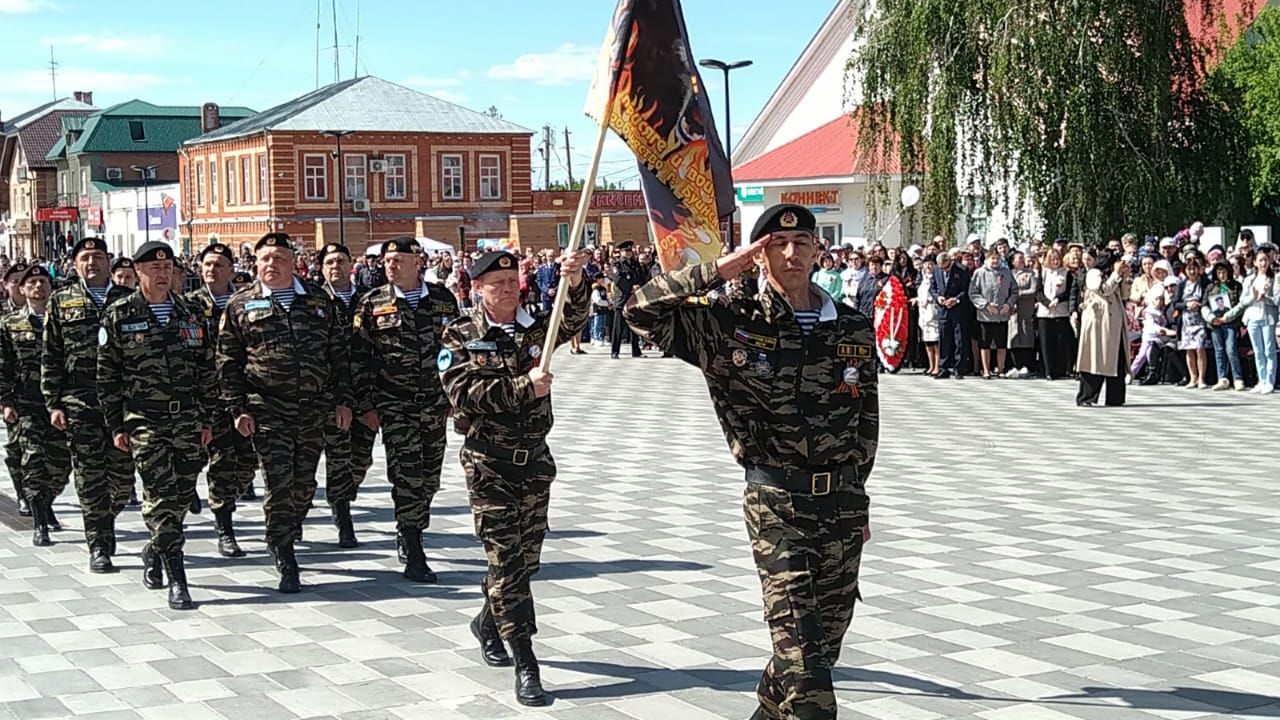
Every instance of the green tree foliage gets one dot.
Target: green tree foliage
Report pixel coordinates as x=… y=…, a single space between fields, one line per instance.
x=1248 y=82
x=1094 y=111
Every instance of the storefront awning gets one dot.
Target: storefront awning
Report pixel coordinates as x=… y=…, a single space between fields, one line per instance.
x=58 y=214
x=830 y=151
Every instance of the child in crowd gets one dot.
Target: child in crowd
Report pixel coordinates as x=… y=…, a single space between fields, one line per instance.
x=601 y=310
x=1156 y=332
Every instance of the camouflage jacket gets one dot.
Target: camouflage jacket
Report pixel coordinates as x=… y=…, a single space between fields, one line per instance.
x=269 y=357
x=144 y=367
x=20 y=348
x=484 y=372
x=69 y=366
x=201 y=301
x=394 y=347
x=784 y=399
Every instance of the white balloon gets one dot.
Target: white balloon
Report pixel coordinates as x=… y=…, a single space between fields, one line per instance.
x=910 y=196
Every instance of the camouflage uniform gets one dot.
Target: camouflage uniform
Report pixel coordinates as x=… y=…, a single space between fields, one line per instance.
x=288 y=369
x=44 y=458
x=348 y=454
x=395 y=348
x=801 y=414
x=12 y=450
x=68 y=380
x=155 y=382
x=505 y=456
x=232 y=461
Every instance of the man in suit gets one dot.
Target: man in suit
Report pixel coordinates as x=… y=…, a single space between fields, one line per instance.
x=951 y=290
x=627 y=274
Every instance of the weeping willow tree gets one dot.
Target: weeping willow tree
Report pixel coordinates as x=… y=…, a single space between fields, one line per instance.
x=1090 y=111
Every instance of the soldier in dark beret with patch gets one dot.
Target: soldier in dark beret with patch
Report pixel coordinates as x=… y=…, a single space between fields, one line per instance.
x=282 y=373
x=397 y=330
x=69 y=382
x=44 y=459
x=14 y=302
x=793 y=381
x=490 y=368
x=123 y=274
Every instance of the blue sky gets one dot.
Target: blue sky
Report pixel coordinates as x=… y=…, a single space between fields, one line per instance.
x=530 y=58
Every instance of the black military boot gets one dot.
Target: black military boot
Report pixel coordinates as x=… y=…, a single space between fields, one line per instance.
x=485 y=629
x=133 y=497
x=179 y=595
x=342 y=520
x=152 y=568
x=24 y=508
x=249 y=493
x=99 y=558
x=50 y=518
x=401 y=555
x=287 y=564
x=528 y=678
x=415 y=566
x=40 y=521
x=227 y=545
x=196 y=505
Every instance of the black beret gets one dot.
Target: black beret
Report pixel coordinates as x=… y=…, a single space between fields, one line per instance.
x=784 y=217
x=14 y=270
x=219 y=249
x=332 y=248
x=89 y=243
x=154 y=250
x=121 y=262
x=493 y=261
x=242 y=277
x=628 y=245
x=36 y=270
x=402 y=244
x=274 y=239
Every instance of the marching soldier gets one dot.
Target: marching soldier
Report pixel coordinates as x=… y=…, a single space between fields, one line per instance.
x=282 y=373
x=68 y=380
x=348 y=453
x=232 y=461
x=489 y=365
x=14 y=302
x=123 y=274
x=156 y=385
x=44 y=458
x=793 y=381
x=397 y=336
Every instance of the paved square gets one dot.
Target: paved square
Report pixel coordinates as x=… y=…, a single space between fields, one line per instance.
x=1030 y=561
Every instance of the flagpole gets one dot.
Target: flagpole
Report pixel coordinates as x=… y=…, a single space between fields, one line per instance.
x=575 y=236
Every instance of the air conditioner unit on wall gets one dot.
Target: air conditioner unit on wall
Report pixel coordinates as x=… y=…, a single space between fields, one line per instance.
x=377 y=166
x=360 y=205
x=114 y=173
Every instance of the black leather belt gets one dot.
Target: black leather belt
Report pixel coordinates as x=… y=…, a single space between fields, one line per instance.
x=172 y=407
x=515 y=456
x=807 y=482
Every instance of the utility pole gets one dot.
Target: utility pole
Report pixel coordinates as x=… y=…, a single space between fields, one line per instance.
x=547 y=149
x=568 y=159
x=53 y=72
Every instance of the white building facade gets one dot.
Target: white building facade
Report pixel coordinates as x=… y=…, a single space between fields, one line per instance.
x=132 y=215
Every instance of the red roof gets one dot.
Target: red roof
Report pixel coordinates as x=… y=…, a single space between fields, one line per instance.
x=39 y=137
x=829 y=151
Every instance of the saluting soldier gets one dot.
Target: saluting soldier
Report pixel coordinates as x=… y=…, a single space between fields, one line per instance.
x=348 y=454
x=156 y=385
x=282 y=372
x=14 y=302
x=489 y=366
x=42 y=452
x=792 y=378
x=232 y=461
x=397 y=339
x=68 y=380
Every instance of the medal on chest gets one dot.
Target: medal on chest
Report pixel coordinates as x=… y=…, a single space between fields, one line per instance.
x=848 y=377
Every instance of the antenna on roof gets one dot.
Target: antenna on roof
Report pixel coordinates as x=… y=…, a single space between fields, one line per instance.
x=337 y=72
x=355 y=71
x=53 y=73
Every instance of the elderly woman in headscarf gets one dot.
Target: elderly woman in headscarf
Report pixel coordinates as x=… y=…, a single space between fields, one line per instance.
x=1103 y=356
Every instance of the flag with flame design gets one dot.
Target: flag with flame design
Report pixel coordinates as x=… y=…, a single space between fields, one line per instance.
x=648 y=84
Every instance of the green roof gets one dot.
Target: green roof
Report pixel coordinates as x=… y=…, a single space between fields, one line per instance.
x=58 y=148
x=164 y=128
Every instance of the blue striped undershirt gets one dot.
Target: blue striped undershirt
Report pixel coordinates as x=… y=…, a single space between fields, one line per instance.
x=345 y=296
x=807 y=319
x=413 y=296
x=99 y=295
x=162 y=311
x=508 y=328
x=220 y=301
x=284 y=297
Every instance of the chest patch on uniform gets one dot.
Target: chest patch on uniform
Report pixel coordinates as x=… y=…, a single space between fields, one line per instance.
x=385 y=310
x=71 y=303
x=862 y=352
x=102 y=336
x=444 y=360
x=482 y=346
x=763 y=342
x=191 y=332
x=262 y=304
x=135 y=327
x=441 y=309
x=762 y=366
x=357 y=321
x=739 y=358
x=849 y=377
x=535 y=351
x=536 y=336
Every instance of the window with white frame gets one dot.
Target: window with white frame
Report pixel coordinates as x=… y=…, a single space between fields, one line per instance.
x=62 y=182
x=231 y=181
x=200 y=184
x=395 y=178
x=315 y=176
x=451 y=177
x=84 y=181
x=213 y=184
x=490 y=177
x=357 y=175
x=246 y=180
x=262 y=178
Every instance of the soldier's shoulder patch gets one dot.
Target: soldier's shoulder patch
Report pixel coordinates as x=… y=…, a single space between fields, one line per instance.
x=762 y=342
x=444 y=360
x=850 y=350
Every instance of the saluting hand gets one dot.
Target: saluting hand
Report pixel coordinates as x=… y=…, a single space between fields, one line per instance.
x=571 y=265
x=739 y=261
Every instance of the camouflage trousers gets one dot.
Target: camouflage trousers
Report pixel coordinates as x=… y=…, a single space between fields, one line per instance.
x=288 y=446
x=348 y=455
x=13 y=457
x=509 y=505
x=43 y=454
x=232 y=464
x=169 y=458
x=807 y=551
x=414 y=437
x=103 y=474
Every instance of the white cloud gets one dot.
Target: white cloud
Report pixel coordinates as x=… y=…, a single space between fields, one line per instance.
x=36 y=82
x=20 y=7
x=566 y=64
x=145 y=45
x=430 y=82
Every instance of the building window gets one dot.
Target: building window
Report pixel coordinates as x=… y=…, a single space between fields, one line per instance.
x=451 y=177
x=136 y=131
x=246 y=181
x=199 y=184
x=315 y=177
x=357 y=175
x=262 y=178
x=562 y=235
x=213 y=185
x=84 y=181
x=231 y=182
x=395 y=179
x=490 y=177
x=62 y=182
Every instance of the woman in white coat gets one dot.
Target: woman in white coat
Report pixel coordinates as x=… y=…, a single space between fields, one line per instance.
x=1103 y=356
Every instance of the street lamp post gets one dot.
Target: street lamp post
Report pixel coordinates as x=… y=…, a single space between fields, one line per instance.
x=145 y=171
x=728 y=127
x=342 y=183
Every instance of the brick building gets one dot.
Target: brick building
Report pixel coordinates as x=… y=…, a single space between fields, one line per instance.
x=614 y=216
x=411 y=164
